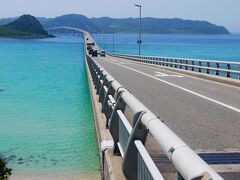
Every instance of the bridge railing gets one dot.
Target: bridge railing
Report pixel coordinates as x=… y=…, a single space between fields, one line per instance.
x=129 y=139
x=141 y=164
x=219 y=68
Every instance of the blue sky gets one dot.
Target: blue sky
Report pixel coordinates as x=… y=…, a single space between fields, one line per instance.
x=221 y=12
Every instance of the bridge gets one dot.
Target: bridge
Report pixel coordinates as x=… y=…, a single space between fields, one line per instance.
x=66 y=30
x=165 y=118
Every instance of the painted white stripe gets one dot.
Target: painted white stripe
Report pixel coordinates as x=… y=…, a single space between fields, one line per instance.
x=160 y=74
x=179 y=87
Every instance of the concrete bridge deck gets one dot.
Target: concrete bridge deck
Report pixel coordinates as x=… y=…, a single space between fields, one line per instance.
x=205 y=114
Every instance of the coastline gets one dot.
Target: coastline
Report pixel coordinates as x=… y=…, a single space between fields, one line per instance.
x=59 y=176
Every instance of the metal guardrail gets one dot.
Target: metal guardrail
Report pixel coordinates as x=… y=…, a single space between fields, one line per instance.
x=129 y=140
x=120 y=128
x=219 y=68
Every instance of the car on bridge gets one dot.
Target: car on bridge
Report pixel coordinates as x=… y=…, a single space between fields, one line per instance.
x=89 y=47
x=94 y=53
x=90 y=44
x=102 y=53
x=90 y=51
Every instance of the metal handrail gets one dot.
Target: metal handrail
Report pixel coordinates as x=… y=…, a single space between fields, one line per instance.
x=189 y=59
x=230 y=69
x=149 y=171
x=186 y=161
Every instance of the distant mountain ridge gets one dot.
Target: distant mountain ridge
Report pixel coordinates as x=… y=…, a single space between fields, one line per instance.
x=131 y=25
x=5 y=21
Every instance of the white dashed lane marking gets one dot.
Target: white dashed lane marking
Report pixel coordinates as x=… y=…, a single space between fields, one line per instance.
x=160 y=74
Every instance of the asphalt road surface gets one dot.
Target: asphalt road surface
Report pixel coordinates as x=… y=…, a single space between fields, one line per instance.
x=205 y=114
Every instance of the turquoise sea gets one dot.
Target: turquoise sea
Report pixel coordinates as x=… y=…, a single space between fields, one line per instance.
x=211 y=47
x=46 y=120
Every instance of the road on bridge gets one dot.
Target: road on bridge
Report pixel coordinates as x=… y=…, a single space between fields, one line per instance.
x=205 y=114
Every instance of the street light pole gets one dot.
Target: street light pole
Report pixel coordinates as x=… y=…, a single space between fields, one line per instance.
x=104 y=41
x=113 y=45
x=140 y=29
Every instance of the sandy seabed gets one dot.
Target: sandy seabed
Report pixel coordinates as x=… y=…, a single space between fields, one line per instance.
x=56 y=177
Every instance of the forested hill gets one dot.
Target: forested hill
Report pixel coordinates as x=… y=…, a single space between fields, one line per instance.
x=162 y=26
x=25 y=26
x=131 y=25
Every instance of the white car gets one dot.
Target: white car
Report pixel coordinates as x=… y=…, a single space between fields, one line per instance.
x=102 y=53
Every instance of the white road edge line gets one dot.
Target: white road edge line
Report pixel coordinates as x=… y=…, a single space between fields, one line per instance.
x=179 y=87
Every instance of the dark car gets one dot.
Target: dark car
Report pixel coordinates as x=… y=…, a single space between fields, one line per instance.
x=102 y=53
x=90 y=44
x=94 y=53
x=89 y=47
x=90 y=51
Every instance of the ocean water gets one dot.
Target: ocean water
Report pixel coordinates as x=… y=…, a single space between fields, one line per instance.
x=46 y=120
x=211 y=47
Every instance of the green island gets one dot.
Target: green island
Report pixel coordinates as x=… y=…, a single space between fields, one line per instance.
x=26 y=26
